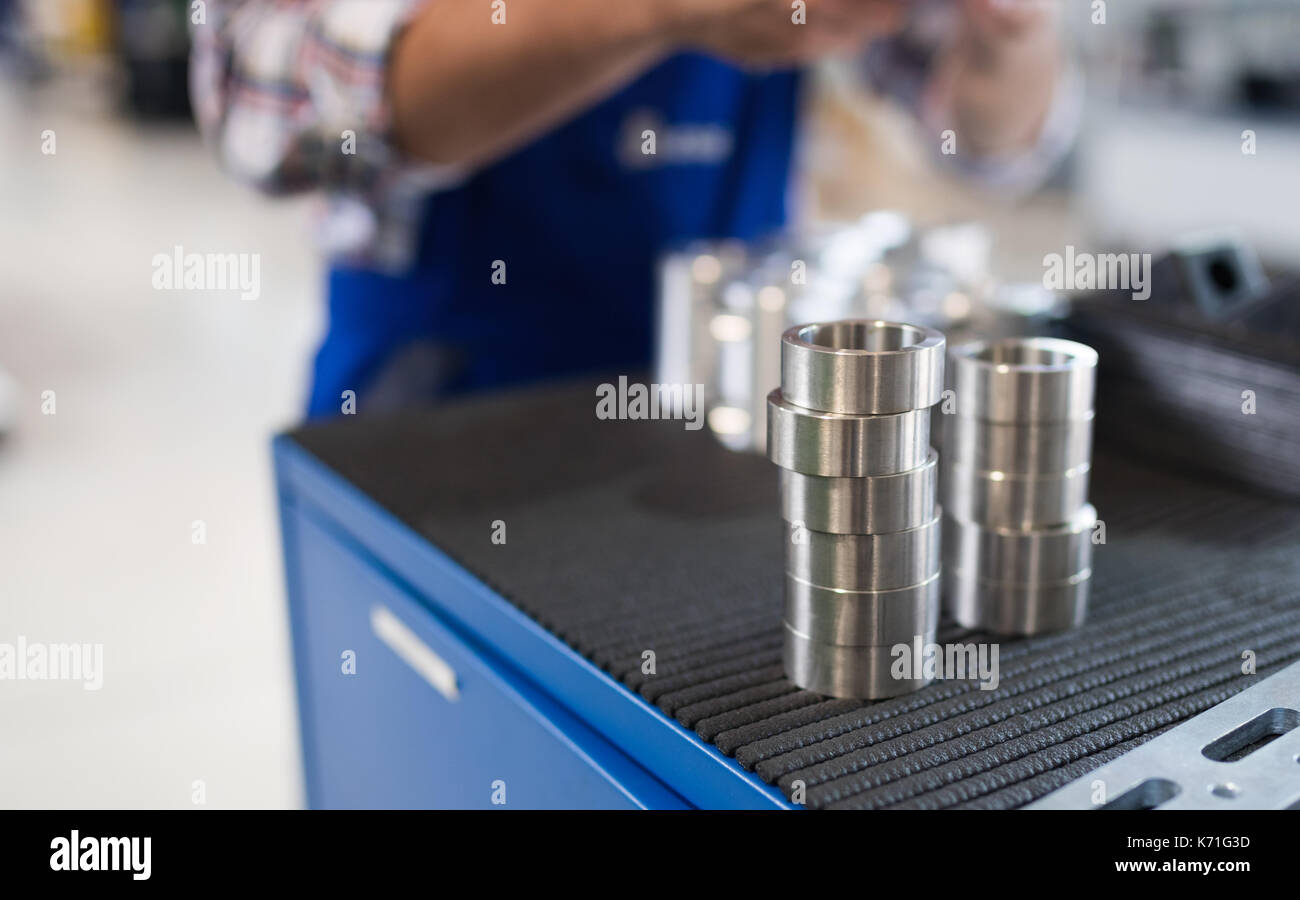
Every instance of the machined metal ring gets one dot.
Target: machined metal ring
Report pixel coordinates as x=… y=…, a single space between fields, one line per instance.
x=834 y=445
x=1024 y=502
x=865 y=562
x=861 y=618
x=863 y=505
x=1023 y=609
x=1024 y=379
x=862 y=367
x=865 y=673
x=1020 y=556
x=1018 y=449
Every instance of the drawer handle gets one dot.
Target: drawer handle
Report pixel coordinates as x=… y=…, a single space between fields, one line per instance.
x=414 y=652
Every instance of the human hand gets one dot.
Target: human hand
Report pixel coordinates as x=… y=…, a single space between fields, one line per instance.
x=995 y=84
x=780 y=32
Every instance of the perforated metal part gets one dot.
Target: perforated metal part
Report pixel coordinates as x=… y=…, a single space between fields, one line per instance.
x=1242 y=754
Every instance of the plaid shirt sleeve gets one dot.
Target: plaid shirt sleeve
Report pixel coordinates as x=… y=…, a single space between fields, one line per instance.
x=290 y=94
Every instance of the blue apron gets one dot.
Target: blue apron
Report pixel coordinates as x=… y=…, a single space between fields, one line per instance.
x=542 y=265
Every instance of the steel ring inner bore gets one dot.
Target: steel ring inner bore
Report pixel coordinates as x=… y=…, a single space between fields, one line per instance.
x=862 y=367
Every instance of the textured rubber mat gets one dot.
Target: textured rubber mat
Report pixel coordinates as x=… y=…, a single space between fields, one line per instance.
x=623 y=537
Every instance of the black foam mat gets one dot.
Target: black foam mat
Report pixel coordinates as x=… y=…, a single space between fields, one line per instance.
x=624 y=537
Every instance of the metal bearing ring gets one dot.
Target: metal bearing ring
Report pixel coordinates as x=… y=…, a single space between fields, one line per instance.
x=841 y=671
x=861 y=618
x=996 y=499
x=866 y=505
x=861 y=367
x=1025 y=379
x=1026 y=449
x=1012 y=555
x=865 y=562
x=833 y=445
x=1006 y=608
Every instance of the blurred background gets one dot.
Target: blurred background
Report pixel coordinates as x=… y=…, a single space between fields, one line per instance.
x=166 y=401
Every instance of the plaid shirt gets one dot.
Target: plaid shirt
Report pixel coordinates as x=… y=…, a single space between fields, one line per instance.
x=291 y=94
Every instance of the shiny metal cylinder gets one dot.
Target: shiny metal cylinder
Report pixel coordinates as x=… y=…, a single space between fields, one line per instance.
x=1027 y=502
x=865 y=562
x=862 y=617
x=1016 y=555
x=862 y=367
x=850 y=429
x=1023 y=609
x=866 y=505
x=1018 y=449
x=864 y=672
x=1024 y=380
x=834 y=445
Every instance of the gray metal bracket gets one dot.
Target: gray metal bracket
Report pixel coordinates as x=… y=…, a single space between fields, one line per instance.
x=1242 y=754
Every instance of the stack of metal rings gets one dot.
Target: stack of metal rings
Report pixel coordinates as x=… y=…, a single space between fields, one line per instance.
x=850 y=429
x=1018 y=527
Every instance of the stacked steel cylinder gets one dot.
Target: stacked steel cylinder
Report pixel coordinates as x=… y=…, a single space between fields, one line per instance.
x=850 y=429
x=1018 y=528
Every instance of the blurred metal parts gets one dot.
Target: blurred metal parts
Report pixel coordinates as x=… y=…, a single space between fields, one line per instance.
x=724 y=305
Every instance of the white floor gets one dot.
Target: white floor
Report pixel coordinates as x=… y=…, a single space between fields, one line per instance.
x=165 y=405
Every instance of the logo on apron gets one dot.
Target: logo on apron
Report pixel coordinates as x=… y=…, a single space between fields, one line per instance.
x=648 y=142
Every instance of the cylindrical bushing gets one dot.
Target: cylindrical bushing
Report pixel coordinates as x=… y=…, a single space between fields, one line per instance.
x=1017 y=556
x=861 y=618
x=1024 y=380
x=1021 y=609
x=1027 y=502
x=865 y=672
x=866 y=505
x=860 y=367
x=1018 y=449
x=834 y=445
x=865 y=562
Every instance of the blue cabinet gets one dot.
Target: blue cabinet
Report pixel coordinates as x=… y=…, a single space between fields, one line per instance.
x=401 y=712
x=419 y=687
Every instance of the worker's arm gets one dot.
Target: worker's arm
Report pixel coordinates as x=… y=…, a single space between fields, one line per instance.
x=466 y=87
x=356 y=95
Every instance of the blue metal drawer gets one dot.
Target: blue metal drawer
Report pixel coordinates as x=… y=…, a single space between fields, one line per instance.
x=428 y=718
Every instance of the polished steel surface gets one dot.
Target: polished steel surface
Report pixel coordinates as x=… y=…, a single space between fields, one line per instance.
x=1024 y=380
x=1020 y=609
x=865 y=505
x=864 y=562
x=829 y=444
x=1018 y=556
x=861 y=618
x=862 y=367
x=850 y=429
x=1017 y=449
x=1027 y=502
x=840 y=671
